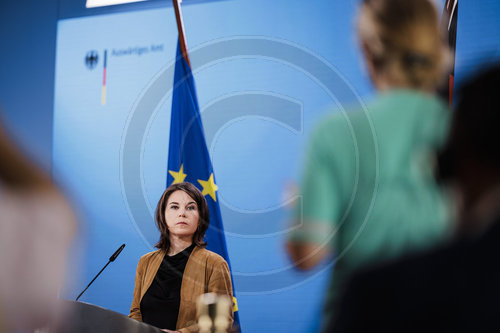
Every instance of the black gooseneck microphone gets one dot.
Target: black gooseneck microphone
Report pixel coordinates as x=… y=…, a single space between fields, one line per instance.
x=112 y=258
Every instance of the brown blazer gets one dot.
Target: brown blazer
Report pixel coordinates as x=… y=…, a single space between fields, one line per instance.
x=205 y=272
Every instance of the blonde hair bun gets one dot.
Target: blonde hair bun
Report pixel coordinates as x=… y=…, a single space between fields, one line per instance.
x=404 y=41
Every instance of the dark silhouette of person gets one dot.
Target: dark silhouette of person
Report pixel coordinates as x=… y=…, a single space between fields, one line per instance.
x=453 y=288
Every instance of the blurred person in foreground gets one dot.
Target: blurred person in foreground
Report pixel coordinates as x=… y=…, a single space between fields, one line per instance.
x=454 y=288
x=36 y=228
x=368 y=190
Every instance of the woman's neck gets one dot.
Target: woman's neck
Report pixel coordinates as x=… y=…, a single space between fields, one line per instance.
x=179 y=244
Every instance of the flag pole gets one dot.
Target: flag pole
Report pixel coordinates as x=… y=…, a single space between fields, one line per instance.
x=449 y=24
x=180 y=27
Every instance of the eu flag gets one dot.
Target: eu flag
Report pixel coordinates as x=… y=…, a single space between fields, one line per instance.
x=188 y=158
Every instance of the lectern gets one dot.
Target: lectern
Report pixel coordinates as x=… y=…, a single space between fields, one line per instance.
x=80 y=317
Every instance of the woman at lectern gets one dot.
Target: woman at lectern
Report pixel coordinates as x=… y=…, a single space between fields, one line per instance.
x=169 y=280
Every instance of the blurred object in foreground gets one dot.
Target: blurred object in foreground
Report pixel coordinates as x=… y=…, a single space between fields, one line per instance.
x=36 y=228
x=213 y=313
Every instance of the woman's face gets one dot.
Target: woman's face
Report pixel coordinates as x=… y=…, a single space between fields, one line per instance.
x=181 y=214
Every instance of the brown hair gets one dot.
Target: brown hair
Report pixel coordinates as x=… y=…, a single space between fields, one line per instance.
x=403 y=40
x=18 y=172
x=201 y=203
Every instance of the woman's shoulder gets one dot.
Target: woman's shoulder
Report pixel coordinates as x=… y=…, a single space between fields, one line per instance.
x=208 y=255
x=150 y=256
x=330 y=129
x=408 y=99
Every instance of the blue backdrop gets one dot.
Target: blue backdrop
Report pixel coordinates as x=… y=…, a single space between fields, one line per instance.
x=261 y=69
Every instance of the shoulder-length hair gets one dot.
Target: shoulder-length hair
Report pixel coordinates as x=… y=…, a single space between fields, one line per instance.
x=161 y=222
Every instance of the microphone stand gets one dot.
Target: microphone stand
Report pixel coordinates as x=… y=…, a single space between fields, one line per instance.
x=111 y=259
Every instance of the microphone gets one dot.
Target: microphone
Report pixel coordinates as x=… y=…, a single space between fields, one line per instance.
x=117 y=252
x=111 y=259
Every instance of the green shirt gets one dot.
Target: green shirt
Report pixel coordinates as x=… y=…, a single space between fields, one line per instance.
x=368 y=190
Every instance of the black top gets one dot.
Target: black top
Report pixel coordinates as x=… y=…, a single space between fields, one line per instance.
x=452 y=289
x=160 y=304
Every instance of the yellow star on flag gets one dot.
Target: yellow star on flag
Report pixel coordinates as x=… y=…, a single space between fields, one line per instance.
x=209 y=186
x=235 y=304
x=178 y=176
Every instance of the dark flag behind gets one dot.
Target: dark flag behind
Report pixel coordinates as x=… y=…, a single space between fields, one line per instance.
x=449 y=22
x=188 y=158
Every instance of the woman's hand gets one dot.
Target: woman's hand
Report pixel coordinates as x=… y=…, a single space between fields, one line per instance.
x=169 y=331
